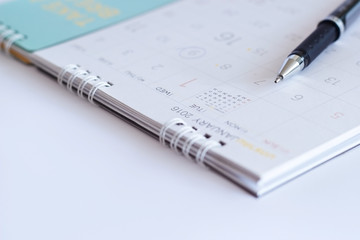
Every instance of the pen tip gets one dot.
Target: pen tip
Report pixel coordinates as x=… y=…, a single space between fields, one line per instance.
x=278 y=78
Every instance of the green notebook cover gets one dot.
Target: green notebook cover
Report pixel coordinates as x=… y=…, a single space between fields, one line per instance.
x=47 y=22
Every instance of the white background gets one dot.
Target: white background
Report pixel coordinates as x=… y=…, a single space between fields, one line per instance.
x=70 y=170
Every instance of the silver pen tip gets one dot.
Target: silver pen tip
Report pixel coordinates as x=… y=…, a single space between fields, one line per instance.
x=292 y=64
x=278 y=78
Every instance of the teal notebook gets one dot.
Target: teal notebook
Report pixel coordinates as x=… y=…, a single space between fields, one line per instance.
x=66 y=19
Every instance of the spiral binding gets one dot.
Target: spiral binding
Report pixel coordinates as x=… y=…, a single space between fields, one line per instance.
x=73 y=74
x=8 y=37
x=184 y=139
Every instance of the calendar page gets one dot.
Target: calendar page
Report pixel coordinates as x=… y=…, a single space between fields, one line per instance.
x=213 y=64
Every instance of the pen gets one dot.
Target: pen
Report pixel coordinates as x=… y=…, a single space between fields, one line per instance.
x=328 y=31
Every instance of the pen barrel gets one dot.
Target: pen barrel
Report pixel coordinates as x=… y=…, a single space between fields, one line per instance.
x=347 y=11
x=326 y=33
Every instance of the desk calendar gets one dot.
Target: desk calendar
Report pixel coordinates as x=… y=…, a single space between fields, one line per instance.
x=199 y=76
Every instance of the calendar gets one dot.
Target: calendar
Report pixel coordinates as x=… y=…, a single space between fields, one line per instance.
x=199 y=74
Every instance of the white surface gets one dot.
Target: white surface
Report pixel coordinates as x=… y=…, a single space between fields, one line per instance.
x=69 y=170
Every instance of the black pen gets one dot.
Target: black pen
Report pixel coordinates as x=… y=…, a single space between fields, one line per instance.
x=327 y=32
